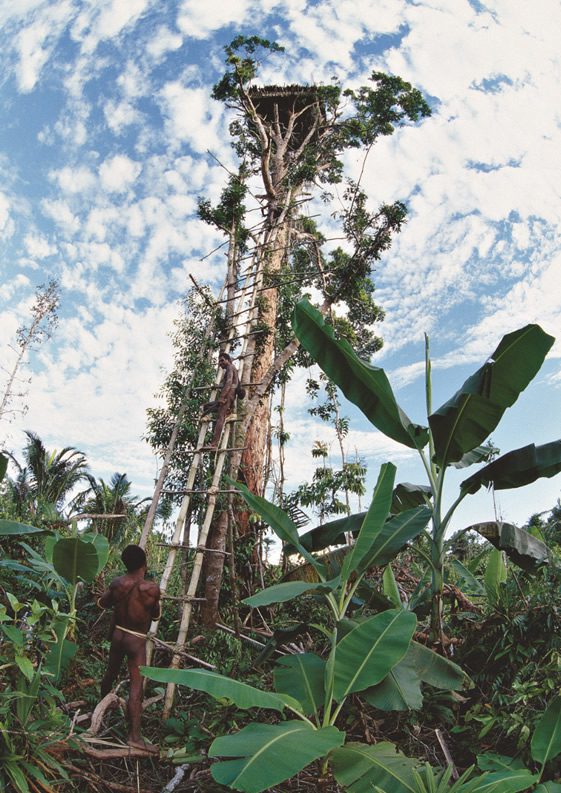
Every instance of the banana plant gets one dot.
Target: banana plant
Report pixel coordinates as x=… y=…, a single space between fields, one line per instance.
x=377 y=651
x=362 y=769
x=455 y=432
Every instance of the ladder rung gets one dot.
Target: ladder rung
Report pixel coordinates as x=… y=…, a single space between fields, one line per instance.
x=237 y=296
x=246 y=335
x=182 y=598
x=212 y=449
x=207 y=387
x=243 y=311
x=203 y=492
x=173 y=545
x=197 y=549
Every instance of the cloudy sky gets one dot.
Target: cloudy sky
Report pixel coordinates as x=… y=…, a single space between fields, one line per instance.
x=109 y=136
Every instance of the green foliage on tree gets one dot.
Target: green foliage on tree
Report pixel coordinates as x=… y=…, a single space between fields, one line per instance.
x=45 y=481
x=186 y=388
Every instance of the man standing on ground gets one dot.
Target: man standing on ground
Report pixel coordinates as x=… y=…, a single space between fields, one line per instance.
x=135 y=604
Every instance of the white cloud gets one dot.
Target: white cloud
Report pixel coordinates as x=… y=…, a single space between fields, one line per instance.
x=60 y=212
x=120 y=371
x=100 y=254
x=105 y=19
x=132 y=81
x=9 y=288
x=194 y=118
x=118 y=173
x=119 y=115
x=35 y=42
x=101 y=219
x=164 y=41
x=72 y=125
x=74 y=180
x=196 y=19
x=38 y=246
x=6 y=223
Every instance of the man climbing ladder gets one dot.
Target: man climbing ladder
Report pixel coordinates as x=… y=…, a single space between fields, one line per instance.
x=223 y=405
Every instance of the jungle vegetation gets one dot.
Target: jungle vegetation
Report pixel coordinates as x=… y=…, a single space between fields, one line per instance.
x=381 y=652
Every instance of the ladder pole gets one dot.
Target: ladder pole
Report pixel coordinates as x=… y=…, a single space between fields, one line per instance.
x=196 y=571
x=209 y=514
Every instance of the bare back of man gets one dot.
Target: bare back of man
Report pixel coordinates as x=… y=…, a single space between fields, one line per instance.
x=135 y=602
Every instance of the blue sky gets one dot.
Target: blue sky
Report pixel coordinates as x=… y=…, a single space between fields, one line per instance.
x=107 y=122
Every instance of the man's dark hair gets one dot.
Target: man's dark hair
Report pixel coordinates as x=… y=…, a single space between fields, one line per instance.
x=133 y=558
x=226 y=356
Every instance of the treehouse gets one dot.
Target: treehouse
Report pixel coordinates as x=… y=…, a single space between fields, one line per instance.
x=297 y=109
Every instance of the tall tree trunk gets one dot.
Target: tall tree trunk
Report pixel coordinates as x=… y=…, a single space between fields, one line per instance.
x=215 y=561
x=214 y=565
x=255 y=441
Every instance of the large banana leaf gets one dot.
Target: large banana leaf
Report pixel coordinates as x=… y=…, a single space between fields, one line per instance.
x=467 y=582
x=546 y=740
x=393 y=535
x=366 y=386
x=481 y=454
x=279 y=522
x=406 y=496
x=366 y=654
x=101 y=544
x=280 y=593
x=517 y=468
x=73 y=558
x=267 y=754
x=10 y=528
x=301 y=676
x=523 y=548
x=490 y=761
x=515 y=781
x=548 y=787
x=332 y=533
x=360 y=768
x=436 y=670
x=242 y=695
x=401 y=689
x=373 y=522
x=474 y=411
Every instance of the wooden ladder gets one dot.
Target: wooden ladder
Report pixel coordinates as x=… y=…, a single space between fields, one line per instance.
x=245 y=312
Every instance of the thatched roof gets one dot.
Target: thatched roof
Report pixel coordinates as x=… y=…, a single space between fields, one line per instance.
x=288 y=99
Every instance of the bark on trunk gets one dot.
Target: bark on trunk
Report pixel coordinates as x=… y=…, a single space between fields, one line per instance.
x=256 y=437
x=212 y=573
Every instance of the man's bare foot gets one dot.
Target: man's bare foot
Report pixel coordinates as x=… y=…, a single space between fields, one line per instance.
x=141 y=743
